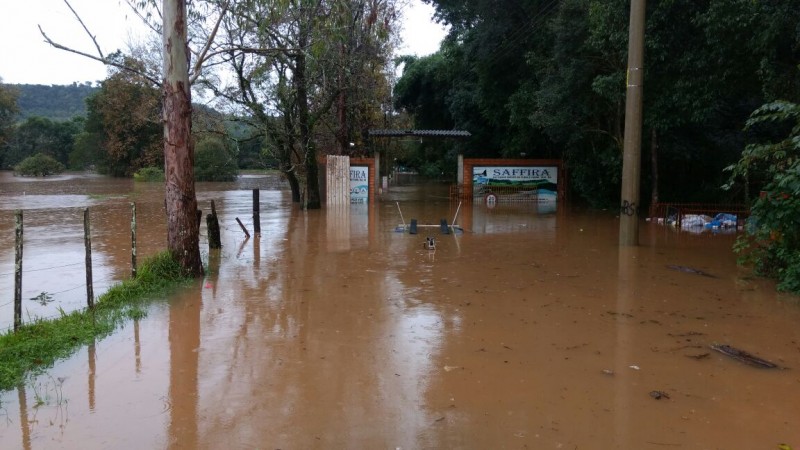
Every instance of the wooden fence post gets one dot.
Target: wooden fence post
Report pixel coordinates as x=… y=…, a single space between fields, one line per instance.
x=212 y=225
x=87 y=239
x=18 y=270
x=256 y=213
x=133 y=240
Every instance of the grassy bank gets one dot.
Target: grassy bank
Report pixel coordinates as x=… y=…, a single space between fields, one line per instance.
x=37 y=345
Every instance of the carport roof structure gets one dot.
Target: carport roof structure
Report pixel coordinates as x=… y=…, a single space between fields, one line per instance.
x=458 y=134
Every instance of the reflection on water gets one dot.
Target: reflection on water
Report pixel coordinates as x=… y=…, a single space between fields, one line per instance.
x=331 y=330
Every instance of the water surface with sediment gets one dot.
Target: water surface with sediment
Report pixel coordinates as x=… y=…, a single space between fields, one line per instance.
x=333 y=330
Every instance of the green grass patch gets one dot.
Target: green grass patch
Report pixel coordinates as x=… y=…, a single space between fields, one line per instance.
x=39 y=344
x=149 y=174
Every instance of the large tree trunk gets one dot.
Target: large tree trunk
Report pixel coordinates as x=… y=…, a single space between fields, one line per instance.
x=303 y=115
x=183 y=237
x=341 y=107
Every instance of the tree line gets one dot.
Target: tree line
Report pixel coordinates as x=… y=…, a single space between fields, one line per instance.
x=546 y=79
x=119 y=132
x=535 y=79
x=303 y=77
x=54 y=102
x=295 y=80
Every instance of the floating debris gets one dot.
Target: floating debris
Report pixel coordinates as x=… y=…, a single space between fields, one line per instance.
x=658 y=395
x=743 y=356
x=44 y=298
x=692 y=270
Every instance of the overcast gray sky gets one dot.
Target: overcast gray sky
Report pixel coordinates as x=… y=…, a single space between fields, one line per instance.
x=26 y=58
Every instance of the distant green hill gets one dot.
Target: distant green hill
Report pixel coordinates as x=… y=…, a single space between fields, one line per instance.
x=53 y=102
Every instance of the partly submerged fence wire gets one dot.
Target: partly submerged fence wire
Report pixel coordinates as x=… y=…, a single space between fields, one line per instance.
x=40 y=269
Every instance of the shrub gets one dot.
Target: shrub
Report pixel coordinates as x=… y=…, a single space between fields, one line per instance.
x=39 y=165
x=149 y=174
x=772 y=244
x=213 y=161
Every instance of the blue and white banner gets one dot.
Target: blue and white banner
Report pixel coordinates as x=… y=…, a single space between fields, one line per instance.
x=359 y=184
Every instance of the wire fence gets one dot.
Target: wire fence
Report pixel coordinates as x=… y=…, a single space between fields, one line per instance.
x=501 y=194
x=696 y=217
x=54 y=254
x=56 y=237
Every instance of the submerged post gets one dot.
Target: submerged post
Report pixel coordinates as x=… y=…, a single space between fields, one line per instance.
x=631 y=159
x=256 y=213
x=212 y=224
x=18 y=270
x=133 y=240
x=87 y=239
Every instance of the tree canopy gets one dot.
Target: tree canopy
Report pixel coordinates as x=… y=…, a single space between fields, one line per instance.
x=8 y=112
x=547 y=79
x=54 y=102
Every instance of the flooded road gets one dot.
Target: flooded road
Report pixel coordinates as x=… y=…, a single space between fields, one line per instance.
x=331 y=330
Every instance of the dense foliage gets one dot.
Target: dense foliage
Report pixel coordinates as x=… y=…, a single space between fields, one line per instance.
x=149 y=174
x=38 y=165
x=40 y=135
x=8 y=112
x=213 y=161
x=773 y=161
x=546 y=79
x=54 y=102
x=123 y=132
x=310 y=78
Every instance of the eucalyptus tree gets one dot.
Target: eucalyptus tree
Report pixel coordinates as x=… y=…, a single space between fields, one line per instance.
x=170 y=19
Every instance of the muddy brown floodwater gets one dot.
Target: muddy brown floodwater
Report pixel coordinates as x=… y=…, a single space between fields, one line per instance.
x=331 y=330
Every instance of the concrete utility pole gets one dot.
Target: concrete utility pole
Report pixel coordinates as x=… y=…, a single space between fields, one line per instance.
x=632 y=150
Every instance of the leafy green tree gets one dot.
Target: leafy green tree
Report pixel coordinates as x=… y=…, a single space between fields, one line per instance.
x=87 y=152
x=773 y=241
x=8 y=114
x=55 y=102
x=213 y=161
x=548 y=79
x=423 y=90
x=149 y=174
x=309 y=76
x=124 y=118
x=39 y=165
x=41 y=135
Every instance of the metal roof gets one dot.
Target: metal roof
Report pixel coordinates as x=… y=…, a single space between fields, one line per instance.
x=420 y=133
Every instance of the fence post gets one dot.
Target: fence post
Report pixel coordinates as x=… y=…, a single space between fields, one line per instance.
x=256 y=213
x=18 y=270
x=87 y=239
x=212 y=225
x=133 y=240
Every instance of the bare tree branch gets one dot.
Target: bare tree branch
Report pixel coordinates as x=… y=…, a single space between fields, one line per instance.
x=203 y=53
x=93 y=38
x=101 y=58
x=152 y=26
